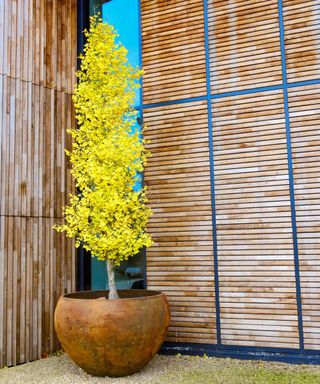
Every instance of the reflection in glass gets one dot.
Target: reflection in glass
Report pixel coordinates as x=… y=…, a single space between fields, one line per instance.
x=124 y=16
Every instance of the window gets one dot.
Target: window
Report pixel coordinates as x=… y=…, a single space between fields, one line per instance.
x=124 y=16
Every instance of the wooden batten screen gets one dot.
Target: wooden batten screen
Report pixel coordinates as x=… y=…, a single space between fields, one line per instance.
x=231 y=107
x=181 y=260
x=37 y=265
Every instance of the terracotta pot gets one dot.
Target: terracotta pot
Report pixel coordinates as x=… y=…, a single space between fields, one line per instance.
x=112 y=337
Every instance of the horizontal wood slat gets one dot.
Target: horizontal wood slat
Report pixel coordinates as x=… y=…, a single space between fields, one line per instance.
x=301 y=22
x=305 y=135
x=255 y=251
x=252 y=197
x=180 y=263
x=244 y=44
x=171 y=41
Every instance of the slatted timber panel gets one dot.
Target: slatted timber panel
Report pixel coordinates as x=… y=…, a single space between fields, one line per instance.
x=173 y=49
x=39 y=267
x=253 y=208
x=37 y=62
x=33 y=163
x=301 y=22
x=304 y=104
x=244 y=44
x=180 y=263
x=38 y=40
x=254 y=234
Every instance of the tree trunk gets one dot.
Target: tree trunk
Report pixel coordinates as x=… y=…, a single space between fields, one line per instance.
x=113 y=294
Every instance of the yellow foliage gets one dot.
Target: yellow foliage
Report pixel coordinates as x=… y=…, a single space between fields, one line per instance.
x=107 y=216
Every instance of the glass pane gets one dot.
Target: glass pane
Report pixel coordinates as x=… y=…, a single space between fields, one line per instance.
x=130 y=274
x=95 y=6
x=127 y=25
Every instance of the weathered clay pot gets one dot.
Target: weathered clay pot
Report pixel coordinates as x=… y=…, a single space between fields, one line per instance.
x=112 y=337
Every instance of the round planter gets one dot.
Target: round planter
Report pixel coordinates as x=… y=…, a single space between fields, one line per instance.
x=112 y=337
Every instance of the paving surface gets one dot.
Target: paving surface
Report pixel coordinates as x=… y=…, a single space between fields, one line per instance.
x=166 y=370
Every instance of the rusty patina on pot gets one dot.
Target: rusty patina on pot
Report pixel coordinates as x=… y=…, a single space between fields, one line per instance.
x=112 y=337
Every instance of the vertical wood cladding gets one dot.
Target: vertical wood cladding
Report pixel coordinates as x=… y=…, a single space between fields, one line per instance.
x=38 y=42
x=305 y=132
x=37 y=64
x=173 y=38
x=38 y=267
x=34 y=168
x=180 y=263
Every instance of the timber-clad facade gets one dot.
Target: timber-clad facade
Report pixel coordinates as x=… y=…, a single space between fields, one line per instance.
x=38 y=42
x=231 y=104
x=231 y=96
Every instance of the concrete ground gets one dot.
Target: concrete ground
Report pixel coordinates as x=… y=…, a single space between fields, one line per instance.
x=166 y=370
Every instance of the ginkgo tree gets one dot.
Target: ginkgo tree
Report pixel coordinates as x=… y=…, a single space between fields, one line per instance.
x=107 y=215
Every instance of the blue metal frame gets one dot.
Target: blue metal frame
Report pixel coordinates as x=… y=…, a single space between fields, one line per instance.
x=234 y=93
x=287 y=355
x=291 y=179
x=213 y=203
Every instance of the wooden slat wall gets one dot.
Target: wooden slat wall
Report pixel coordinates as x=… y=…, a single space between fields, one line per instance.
x=37 y=63
x=302 y=36
x=301 y=21
x=33 y=149
x=38 y=42
x=38 y=266
x=173 y=37
x=180 y=263
x=304 y=103
x=254 y=234
x=257 y=276
x=244 y=44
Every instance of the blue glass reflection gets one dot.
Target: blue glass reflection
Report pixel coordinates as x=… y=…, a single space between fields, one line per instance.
x=124 y=16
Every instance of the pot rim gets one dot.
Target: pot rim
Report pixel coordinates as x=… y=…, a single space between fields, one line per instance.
x=96 y=294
